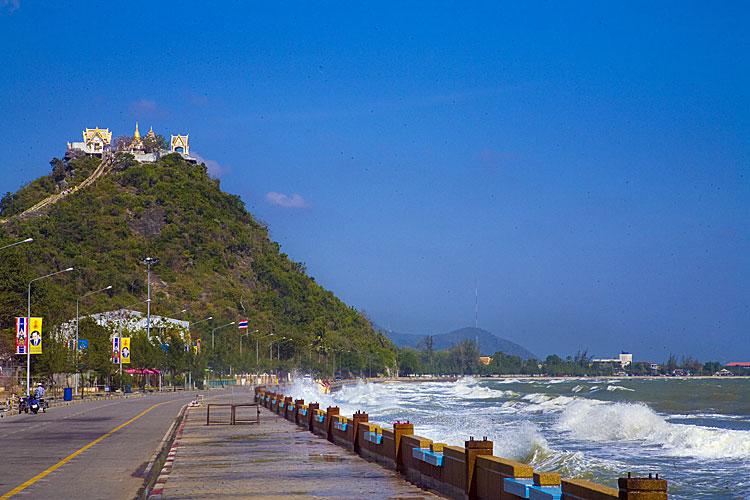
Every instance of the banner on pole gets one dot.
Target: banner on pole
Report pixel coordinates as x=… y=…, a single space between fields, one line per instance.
x=197 y=346
x=22 y=335
x=125 y=351
x=243 y=324
x=116 y=350
x=35 y=335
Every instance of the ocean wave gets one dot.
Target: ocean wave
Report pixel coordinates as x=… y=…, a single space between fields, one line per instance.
x=598 y=421
x=611 y=388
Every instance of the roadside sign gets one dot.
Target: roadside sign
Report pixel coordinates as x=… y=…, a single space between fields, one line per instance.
x=35 y=335
x=116 y=350
x=83 y=344
x=22 y=337
x=125 y=352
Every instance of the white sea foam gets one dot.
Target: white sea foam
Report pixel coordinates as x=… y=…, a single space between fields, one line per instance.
x=633 y=422
x=611 y=388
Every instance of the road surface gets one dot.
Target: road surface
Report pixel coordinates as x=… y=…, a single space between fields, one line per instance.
x=88 y=450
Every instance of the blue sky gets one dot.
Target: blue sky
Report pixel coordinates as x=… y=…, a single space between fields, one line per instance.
x=586 y=164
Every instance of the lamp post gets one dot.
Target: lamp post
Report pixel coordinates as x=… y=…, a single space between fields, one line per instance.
x=190 y=372
x=78 y=300
x=218 y=328
x=27 y=240
x=28 y=319
x=149 y=261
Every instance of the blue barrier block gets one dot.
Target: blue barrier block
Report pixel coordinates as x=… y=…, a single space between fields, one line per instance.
x=281 y=405
x=517 y=487
x=425 y=455
x=320 y=418
x=545 y=492
x=374 y=437
x=303 y=412
x=340 y=425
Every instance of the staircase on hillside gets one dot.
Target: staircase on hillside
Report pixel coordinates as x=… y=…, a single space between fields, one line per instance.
x=104 y=166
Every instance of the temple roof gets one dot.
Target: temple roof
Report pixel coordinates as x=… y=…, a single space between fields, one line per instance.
x=103 y=133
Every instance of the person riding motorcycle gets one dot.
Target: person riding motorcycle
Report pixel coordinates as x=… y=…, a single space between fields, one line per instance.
x=39 y=391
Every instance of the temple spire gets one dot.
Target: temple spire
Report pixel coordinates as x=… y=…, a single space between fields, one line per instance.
x=136 y=135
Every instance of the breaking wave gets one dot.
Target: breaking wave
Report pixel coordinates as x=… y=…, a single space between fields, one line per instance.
x=598 y=421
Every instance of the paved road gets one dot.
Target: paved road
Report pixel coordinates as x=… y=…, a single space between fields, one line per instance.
x=111 y=468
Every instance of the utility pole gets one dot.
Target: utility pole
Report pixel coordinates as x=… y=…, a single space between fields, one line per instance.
x=149 y=261
x=28 y=319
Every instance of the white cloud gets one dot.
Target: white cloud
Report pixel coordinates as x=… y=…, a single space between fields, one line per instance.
x=286 y=201
x=147 y=108
x=10 y=5
x=215 y=169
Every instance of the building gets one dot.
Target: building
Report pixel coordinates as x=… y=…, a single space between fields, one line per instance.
x=138 y=150
x=129 y=320
x=181 y=144
x=624 y=360
x=739 y=367
x=98 y=140
x=95 y=141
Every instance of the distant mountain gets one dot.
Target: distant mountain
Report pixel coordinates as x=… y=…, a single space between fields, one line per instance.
x=489 y=343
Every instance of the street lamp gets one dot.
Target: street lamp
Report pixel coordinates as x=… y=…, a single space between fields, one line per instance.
x=201 y=321
x=149 y=261
x=190 y=325
x=78 y=300
x=27 y=240
x=218 y=328
x=28 y=318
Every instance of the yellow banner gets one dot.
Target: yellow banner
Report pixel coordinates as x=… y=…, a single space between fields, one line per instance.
x=125 y=351
x=35 y=335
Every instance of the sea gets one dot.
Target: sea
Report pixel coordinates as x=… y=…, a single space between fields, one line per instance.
x=694 y=432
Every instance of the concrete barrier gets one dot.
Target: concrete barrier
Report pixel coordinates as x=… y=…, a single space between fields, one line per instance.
x=471 y=472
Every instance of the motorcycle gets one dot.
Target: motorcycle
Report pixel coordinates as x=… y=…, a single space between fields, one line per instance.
x=33 y=404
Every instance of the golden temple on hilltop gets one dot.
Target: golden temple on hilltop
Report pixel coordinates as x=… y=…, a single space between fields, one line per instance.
x=98 y=141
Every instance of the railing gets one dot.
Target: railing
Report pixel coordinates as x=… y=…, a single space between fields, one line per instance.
x=471 y=471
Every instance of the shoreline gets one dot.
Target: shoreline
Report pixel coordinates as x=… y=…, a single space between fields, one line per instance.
x=455 y=378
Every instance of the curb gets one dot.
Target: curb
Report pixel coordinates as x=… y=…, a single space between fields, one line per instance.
x=174 y=434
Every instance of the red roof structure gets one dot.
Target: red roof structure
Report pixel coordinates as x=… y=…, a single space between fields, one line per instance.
x=742 y=364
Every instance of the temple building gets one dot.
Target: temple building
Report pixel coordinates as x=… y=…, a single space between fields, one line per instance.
x=181 y=144
x=95 y=141
x=137 y=143
x=138 y=150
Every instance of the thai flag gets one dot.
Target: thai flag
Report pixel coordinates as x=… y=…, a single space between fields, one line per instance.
x=242 y=325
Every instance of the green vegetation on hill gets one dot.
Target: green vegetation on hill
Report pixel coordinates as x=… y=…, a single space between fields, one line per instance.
x=65 y=174
x=214 y=259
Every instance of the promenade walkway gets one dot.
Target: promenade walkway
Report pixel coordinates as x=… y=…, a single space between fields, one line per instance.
x=275 y=459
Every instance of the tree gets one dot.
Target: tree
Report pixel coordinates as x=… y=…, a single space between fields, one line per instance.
x=122 y=143
x=154 y=144
x=408 y=362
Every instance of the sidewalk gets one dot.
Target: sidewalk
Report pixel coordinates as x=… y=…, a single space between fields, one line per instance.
x=275 y=459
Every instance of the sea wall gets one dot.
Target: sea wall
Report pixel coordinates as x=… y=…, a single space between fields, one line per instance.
x=471 y=472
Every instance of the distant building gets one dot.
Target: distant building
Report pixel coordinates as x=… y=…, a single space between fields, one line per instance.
x=624 y=360
x=181 y=144
x=98 y=140
x=95 y=141
x=485 y=360
x=136 y=147
x=739 y=367
x=129 y=320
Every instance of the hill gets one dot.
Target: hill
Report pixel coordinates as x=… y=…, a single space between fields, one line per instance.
x=215 y=259
x=489 y=343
